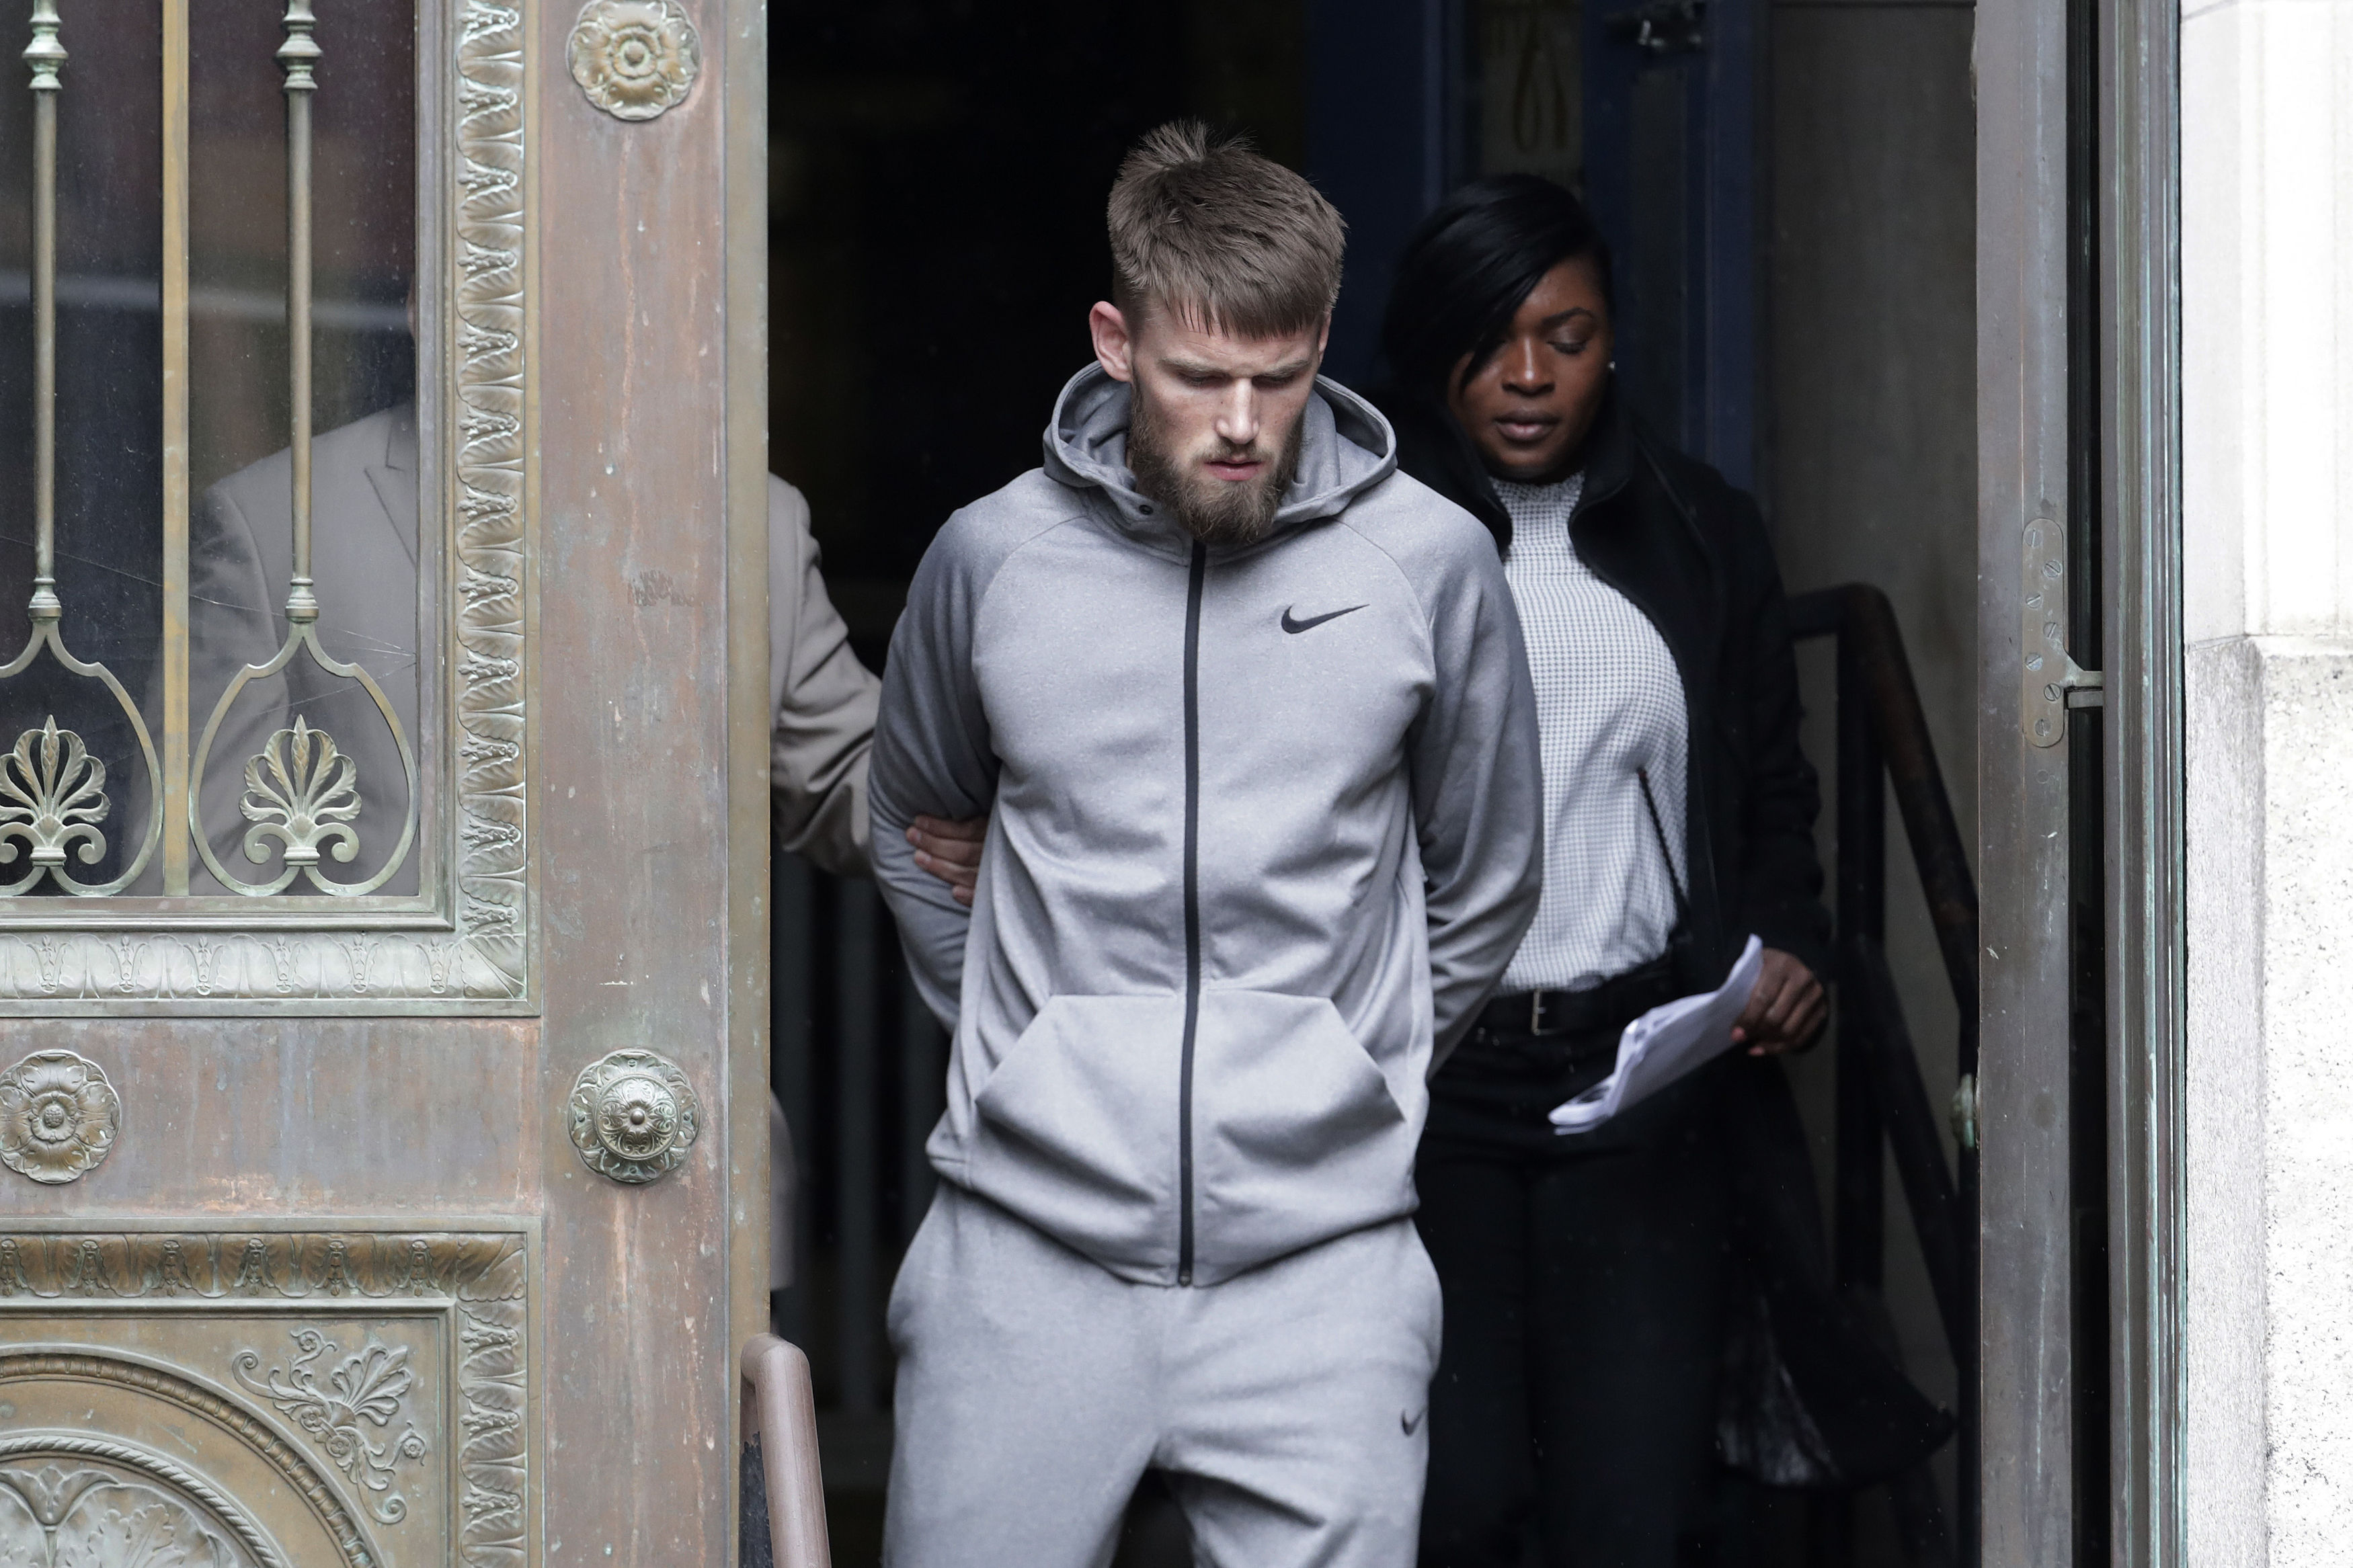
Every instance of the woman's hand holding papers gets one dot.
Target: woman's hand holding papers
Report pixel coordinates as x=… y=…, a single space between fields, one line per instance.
x=1785 y=1011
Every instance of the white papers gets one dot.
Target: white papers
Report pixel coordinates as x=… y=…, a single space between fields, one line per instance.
x=1664 y=1044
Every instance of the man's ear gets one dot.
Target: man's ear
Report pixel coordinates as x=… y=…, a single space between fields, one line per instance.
x=1115 y=346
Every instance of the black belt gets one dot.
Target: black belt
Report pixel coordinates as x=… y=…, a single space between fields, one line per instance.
x=1607 y=1008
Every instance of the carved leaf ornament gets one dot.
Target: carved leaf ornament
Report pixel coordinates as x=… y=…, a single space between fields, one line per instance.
x=366 y=1386
x=52 y=797
x=302 y=792
x=635 y=58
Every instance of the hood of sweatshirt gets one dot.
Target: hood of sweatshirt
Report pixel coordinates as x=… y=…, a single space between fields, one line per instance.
x=1345 y=449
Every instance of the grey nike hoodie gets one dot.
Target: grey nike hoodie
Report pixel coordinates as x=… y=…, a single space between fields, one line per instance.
x=1264 y=831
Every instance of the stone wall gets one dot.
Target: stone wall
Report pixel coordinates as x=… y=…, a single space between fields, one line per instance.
x=2267 y=280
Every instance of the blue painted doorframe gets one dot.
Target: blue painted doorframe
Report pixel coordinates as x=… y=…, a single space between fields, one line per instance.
x=1674 y=139
x=1672 y=144
x=1387 y=117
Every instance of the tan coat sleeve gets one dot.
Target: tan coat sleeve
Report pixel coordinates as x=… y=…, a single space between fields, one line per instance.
x=821 y=700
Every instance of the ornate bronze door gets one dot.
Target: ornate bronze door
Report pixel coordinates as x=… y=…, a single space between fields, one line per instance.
x=382 y=1088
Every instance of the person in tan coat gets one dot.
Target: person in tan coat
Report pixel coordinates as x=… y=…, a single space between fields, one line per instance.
x=821 y=700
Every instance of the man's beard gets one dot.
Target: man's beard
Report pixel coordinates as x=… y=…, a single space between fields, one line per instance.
x=1213 y=510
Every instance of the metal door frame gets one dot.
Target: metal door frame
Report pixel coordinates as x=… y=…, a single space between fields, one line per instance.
x=2027 y=1391
x=749 y=722
x=2139 y=105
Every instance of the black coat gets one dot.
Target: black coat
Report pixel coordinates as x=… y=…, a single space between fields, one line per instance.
x=1814 y=1397
x=1691 y=553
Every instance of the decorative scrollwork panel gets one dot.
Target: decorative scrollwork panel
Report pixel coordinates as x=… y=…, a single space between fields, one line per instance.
x=366 y=1392
x=323 y=792
x=369 y=1387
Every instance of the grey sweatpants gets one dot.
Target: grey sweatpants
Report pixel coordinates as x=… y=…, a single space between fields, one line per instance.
x=1035 y=1387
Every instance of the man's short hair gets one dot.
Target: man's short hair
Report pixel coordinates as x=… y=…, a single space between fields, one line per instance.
x=1228 y=240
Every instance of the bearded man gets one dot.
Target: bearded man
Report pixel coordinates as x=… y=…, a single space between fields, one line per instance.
x=1249 y=712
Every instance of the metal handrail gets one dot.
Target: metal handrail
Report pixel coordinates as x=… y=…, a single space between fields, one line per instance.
x=1882 y=1101
x=780 y=1417
x=1863 y=620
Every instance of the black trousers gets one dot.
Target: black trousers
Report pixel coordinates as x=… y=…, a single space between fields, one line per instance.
x=1583 y=1280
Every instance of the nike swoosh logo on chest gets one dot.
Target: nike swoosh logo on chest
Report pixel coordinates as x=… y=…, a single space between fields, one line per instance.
x=1295 y=627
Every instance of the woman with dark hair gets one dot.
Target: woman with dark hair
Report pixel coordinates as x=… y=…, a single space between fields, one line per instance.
x=1587 y=1280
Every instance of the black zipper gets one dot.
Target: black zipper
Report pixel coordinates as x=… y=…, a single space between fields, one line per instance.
x=1192 y=911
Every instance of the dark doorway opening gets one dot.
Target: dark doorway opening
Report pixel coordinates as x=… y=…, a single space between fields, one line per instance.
x=1789 y=187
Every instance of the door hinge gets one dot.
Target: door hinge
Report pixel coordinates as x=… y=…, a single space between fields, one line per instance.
x=1965 y=1113
x=2049 y=681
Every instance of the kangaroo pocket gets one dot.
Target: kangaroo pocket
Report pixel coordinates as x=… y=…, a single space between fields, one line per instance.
x=1296 y=1136
x=1077 y=1129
